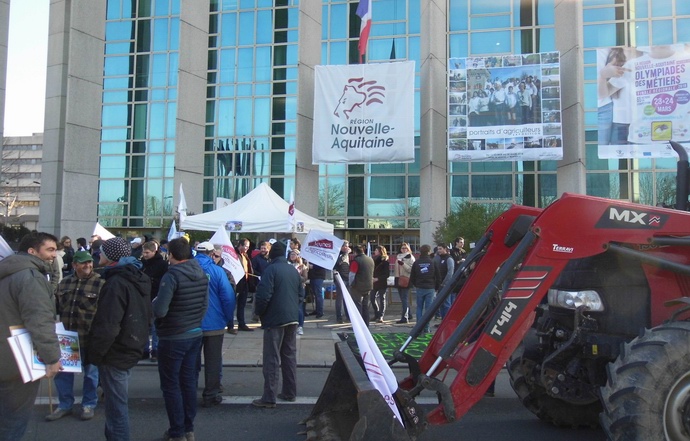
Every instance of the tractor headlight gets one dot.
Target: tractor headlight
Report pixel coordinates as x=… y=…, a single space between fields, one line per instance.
x=574 y=299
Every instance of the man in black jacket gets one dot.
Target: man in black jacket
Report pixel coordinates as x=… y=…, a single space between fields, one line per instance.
x=120 y=331
x=179 y=308
x=278 y=298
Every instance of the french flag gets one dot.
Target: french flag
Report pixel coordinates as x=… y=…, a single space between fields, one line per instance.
x=364 y=12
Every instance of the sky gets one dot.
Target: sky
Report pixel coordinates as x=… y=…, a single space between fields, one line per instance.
x=26 y=67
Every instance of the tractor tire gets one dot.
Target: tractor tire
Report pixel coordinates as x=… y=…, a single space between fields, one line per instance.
x=647 y=396
x=532 y=393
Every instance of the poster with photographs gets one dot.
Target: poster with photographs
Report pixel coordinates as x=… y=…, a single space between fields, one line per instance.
x=643 y=100
x=505 y=108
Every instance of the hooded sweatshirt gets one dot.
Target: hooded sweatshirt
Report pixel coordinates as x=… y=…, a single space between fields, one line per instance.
x=26 y=299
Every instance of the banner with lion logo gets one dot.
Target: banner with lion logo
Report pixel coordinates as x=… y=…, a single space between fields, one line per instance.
x=364 y=113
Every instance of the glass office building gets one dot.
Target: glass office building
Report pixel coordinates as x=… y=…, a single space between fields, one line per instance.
x=212 y=95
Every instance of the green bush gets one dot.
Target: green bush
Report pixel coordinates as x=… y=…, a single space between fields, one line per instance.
x=469 y=220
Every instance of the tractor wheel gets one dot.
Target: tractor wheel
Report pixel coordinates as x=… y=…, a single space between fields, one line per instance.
x=647 y=396
x=525 y=381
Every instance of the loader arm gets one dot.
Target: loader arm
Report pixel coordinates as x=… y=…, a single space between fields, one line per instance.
x=496 y=305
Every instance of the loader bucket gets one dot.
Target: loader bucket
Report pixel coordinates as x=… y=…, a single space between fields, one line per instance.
x=350 y=408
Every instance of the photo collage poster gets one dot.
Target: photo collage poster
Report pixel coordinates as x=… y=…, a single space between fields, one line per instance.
x=505 y=108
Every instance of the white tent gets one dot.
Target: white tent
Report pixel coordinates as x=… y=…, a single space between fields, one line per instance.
x=259 y=211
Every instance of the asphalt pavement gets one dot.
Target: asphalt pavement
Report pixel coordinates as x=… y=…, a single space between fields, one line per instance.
x=491 y=419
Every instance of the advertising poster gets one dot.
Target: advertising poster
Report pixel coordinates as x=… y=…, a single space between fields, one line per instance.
x=505 y=108
x=643 y=100
x=364 y=113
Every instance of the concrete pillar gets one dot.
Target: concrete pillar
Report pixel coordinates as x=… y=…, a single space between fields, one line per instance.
x=309 y=55
x=433 y=155
x=569 y=28
x=72 y=126
x=191 y=106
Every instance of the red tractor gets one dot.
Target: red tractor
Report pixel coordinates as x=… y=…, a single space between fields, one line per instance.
x=586 y=302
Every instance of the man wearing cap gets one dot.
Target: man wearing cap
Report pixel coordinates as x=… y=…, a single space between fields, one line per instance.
x=278 y=298
x=136 y=247
x=77 y=299
x=221 y=307
x=179 y=309
x=119 y=331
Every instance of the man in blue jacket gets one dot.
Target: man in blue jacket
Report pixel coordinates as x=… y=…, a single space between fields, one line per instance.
x=278 y=298
x=221 y=307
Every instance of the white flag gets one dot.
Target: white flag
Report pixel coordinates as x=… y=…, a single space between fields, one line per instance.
x=231 y=261
x=172 y=233
x=379 y=373
x=321 y=249
x=102 y=232
x=182 y=206
x=5 y=249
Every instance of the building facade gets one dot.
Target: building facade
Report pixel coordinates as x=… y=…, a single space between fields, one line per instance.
x=20 y=182
x=145 y=95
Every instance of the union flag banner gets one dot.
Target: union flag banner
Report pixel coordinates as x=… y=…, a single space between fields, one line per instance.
x=364 y=113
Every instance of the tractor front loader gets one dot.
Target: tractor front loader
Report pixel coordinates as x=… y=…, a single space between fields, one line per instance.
x=584 y=301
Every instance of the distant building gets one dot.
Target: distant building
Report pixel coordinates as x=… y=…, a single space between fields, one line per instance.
x=20 y=184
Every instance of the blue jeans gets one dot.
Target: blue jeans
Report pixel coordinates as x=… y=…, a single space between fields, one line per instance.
x=447 y=303
x=115 y=384
x=424 y=298
x=16 y=405
x=316 y=285
x=605 y=120
x=405 y=302
x=280 y=352
x=64 y=383
x=177 y=370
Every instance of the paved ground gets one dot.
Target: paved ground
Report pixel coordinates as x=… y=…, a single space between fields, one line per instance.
x=315 y=347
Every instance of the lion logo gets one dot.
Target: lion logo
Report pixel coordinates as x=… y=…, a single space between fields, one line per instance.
x=356 y=93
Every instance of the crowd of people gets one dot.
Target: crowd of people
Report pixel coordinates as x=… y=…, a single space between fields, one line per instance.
x=172 y=303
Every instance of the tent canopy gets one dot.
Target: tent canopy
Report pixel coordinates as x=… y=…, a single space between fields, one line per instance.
x=259 y=211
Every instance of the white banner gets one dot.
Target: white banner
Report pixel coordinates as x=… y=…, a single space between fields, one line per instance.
x=182 y=206
x=231 y=261
x=5 y=249
x=101 y=231
x=364 y=113
x=379 y=372
x=505 y=108
x=643 y=99
x=321 y=249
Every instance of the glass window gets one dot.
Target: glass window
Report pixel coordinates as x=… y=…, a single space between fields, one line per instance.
x=116 y=83
x=682 y=7
x=117 y=66
x=174 y=34
x=264 y=25
x=119 y=30
x=228 y=29
x=262 y=116
x=113 y=148
x=338 y=24
x=157 y=121
x=119 y=96
x=492 y=187
x=246 y=30
x=162 y=7
x=662 y=32
x=490 y=42
x=490 y=22
x=114 y=167
x=226 y=117
x=545 y=12
x=155 y=166
x=413 y=20
x=492 y=7
x=600 y=35
x=458 y=45
x=114 y=116
x=243 y=123
x=160 y=34
x=246 y=65
x=662 y=8
x=338 y=53
x=172 y=118
x=117 y=48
